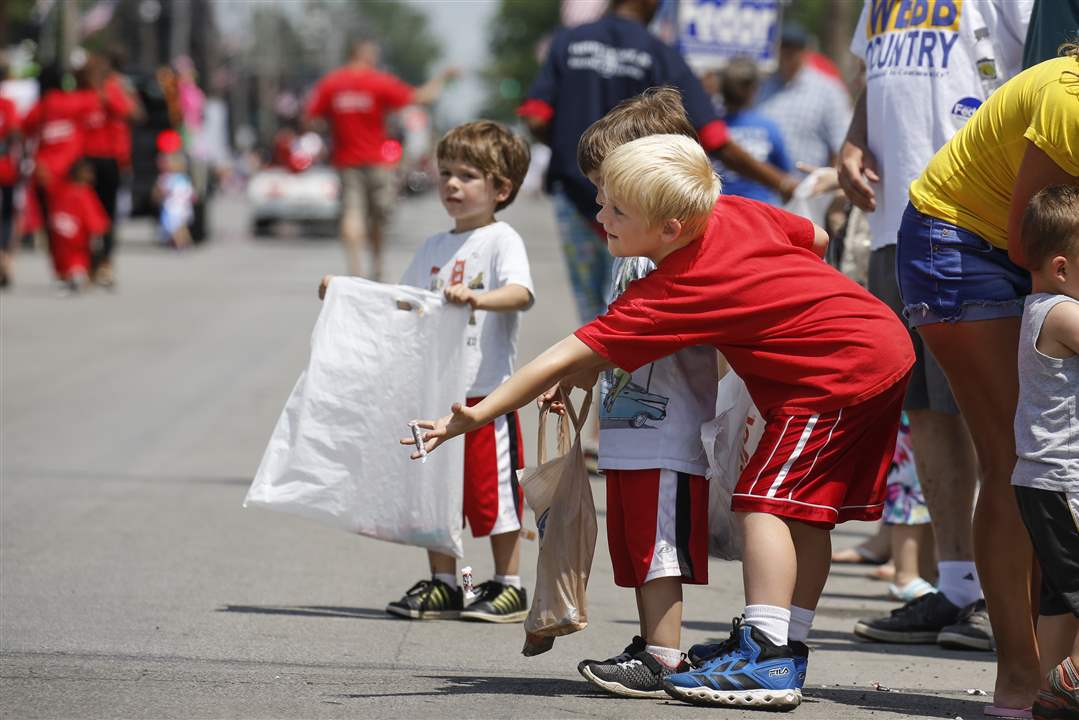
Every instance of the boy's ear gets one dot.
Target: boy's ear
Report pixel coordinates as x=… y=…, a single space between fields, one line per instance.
x=671 y=230
x=503 y=188
x=1059 y=267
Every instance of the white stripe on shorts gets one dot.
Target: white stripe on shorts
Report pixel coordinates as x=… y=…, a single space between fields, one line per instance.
x=782 y=474
x=506 y=521
x=665 y=551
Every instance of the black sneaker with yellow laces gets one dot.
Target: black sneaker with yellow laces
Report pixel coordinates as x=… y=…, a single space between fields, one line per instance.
x=429 y=600
x=497 y=603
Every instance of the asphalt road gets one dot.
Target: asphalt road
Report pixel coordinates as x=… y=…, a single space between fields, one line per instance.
x=133 y=584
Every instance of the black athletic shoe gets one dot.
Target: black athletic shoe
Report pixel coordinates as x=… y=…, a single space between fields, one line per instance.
x=429 y=600
x=640 y=676
x=919 y=621
x=497 y=603
x=971 y=631
x=636 y=645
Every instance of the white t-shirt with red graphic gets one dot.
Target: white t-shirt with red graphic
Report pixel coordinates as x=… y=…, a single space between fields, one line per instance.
x=484 y=259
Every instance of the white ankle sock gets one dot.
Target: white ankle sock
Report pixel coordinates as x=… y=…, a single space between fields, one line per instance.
x=670 y=657
x=449 y=579
x=514 y=580
x=801 y=622
x=773 y=621
x=959 y=581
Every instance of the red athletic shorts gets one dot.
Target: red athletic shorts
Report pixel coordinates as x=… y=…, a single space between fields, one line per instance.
x=657 y=526
x=493 y=455
x=824 y=468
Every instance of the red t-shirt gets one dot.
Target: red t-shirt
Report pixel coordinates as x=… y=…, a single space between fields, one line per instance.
x=9 y=125
x=58 y=121
x=76 y=215
x=105 y=120
x=804 y=337
x=355 y=102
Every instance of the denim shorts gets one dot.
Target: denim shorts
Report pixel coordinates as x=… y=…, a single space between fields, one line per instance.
x=948 y=274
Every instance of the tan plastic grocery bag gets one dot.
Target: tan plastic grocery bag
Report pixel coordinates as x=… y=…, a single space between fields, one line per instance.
x=559 y=493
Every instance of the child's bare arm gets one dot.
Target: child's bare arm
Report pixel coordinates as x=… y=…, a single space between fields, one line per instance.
x=820 y=241
x=1060 y=332
x=567 y=357
x=505 y=299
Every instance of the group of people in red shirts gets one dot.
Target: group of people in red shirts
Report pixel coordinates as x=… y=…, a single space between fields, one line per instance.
x=80 y=143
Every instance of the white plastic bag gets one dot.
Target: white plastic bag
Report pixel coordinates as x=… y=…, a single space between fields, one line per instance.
x=381 y=355
x=729 y=441
x=810 y=205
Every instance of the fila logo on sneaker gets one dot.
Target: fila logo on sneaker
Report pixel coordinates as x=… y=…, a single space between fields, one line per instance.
x=779 y=672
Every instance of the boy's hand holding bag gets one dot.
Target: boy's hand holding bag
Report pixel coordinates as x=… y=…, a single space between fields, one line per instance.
x=560 y=495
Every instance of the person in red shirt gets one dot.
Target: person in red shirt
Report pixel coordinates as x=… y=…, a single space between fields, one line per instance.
x=354 y=100
x=9 y=175
x=112 y=107
x=825 y=362
x=57 y=123
x=76 y=218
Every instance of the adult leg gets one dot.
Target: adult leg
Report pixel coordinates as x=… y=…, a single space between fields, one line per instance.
x=1058 y=638
x=948 y=471
x=986 y=387
x=352 y=218
x=7 y=232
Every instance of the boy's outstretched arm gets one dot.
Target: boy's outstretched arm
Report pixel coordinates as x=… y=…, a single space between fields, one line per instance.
x=564 y=358
x=507 y=298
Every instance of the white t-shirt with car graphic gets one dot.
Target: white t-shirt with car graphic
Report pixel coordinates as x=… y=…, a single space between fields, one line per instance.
x=484 y=259
x=652 y=418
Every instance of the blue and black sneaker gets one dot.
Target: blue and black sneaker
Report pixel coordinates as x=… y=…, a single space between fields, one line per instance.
x=699 y=654
x=752 y=673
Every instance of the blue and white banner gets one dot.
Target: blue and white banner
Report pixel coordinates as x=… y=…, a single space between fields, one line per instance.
x=712 y=32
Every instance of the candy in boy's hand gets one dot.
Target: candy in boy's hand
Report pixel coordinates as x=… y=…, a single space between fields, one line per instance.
x=417 y=437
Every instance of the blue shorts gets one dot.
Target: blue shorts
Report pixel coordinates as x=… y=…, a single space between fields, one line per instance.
x=948 y=274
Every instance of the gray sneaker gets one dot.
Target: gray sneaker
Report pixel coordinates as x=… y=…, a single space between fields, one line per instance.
x=971 y=631
x=640 y=676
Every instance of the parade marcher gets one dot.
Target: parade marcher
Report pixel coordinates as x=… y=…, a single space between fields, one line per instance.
x=112 y=107
x=57 y=124
x=354 y=100
x=900 y=119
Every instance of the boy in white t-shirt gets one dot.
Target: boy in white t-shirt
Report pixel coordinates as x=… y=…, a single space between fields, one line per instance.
x=651 y=452
x=482 y=263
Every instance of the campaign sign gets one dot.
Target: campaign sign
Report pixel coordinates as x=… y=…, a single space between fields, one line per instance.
x=712 y=32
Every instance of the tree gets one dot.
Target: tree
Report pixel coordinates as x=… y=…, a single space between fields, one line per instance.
x=516 y=33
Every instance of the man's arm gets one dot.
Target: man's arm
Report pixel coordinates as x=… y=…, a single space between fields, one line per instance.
x=428 y=92
x=567 y=357
x=734 y=157
x=857 y=166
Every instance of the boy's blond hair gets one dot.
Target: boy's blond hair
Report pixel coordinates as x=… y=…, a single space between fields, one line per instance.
x=656 y=111
x=663 y=177
x=492 y=149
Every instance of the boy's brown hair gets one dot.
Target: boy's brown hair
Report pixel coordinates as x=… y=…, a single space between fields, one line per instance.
x=1051 y=225
x=656 y=111
x=492 y=149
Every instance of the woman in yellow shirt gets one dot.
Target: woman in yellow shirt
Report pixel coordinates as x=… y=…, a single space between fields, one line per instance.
x=962 y=277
